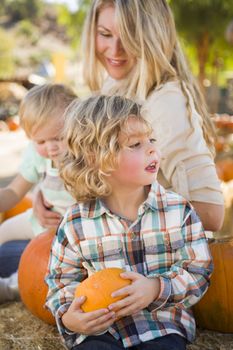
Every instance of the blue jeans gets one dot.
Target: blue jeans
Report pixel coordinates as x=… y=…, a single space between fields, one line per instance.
x=108 y=342
x=10 y=253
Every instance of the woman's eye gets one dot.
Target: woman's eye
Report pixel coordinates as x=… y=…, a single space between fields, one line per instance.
x=104 y=34
x=135 y=145
x=152 y=140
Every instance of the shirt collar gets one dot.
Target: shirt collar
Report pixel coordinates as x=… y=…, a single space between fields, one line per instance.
x=156 y=200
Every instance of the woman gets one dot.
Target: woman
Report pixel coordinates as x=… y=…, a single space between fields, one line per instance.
x=135 y=43
x=131 y=48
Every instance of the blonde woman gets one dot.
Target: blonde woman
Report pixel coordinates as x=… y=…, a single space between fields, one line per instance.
x=131 y=48
x=124 y=218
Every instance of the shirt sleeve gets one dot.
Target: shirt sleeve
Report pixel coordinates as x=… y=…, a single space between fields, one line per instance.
x=188 y=279
x=32 y=165
x=65 y=271
x=187 y=164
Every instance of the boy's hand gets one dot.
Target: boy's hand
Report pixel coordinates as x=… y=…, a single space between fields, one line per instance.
x=47 y=218
x=140 y=293
x=88 y=323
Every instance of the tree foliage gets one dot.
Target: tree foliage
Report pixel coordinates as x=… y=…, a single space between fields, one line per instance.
x=22 y=9
x=203 y=23
x=6 y=54
x=73 y=21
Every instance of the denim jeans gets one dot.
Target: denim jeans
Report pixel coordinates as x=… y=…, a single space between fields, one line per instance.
x=108 y=342
x=10 y=253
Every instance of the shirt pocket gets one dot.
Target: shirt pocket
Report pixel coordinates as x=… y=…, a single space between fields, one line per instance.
x=160 y=249
x=102 y=252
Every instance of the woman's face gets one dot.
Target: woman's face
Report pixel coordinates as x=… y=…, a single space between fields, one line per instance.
x=117 y=62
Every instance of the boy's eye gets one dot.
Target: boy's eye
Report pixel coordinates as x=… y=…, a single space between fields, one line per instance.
x=40 y=142
x=58 y=139
x=152 y=140
x=135 y=145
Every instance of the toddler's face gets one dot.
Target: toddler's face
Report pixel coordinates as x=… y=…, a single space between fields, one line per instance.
x=47 y=138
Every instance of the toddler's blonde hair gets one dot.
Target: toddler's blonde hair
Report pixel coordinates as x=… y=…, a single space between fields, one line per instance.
x=92 y=128
x=42 y=103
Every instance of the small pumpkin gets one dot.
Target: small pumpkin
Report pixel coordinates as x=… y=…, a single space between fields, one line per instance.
x=32 y=269
x=23 y=205
x=98 y=288
x=215 y=310
x=12 y=125
x=224 y=168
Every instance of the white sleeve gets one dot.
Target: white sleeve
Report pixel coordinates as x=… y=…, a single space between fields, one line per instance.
x=187 y=163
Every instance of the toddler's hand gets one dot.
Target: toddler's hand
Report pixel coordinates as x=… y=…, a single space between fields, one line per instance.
x=140 y=293
x=88 y=323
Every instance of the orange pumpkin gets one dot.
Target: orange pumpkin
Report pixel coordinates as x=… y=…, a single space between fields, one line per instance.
x=215 y=309
x=32 y=270
x=98 y=288
x=225 y=169
x=23 y=205
x=12 y=125
x=220 y=144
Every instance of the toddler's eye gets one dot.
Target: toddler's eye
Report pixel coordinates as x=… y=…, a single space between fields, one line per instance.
x=135 y=145
x=152 y=140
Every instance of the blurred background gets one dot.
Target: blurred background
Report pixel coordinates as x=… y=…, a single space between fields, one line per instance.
x=40 y=42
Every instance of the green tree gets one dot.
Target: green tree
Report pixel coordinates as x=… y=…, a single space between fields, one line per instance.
x=203 y=23
x=22 y=9
x=73 y=21
x=6 y=55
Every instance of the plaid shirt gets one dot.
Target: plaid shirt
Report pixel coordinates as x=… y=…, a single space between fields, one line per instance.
x=166 y=241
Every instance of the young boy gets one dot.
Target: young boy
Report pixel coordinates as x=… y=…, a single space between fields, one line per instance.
x=41 y=116
x=124 y=218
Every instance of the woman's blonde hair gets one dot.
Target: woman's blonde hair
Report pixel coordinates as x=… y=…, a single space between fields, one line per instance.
x=92 y=128
x=147 y=32
x=42 y=103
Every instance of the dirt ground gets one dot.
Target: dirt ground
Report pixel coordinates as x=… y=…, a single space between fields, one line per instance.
x=20 y=330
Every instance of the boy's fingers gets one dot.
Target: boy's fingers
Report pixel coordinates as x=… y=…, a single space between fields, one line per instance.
x=77 y=302
x=130 y=275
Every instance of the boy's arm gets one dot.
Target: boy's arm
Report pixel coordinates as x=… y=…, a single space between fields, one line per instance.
x=188 y=279
x=14 y=192
x=65 y=271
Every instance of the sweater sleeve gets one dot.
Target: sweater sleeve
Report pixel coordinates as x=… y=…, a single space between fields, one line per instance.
x=187 y=166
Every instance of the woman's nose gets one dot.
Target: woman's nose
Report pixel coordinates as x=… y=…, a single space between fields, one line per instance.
x=116 y=47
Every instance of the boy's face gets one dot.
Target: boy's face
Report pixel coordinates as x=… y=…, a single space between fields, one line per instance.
x=138 y=160
x=47 y=138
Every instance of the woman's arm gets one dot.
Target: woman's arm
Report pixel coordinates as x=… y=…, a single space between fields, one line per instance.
x=211 y=215
x=42 y=210
x=187 y=166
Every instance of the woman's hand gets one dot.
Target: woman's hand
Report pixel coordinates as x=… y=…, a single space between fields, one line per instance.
x=42 y=210
x=140 y=293
x=88 y=323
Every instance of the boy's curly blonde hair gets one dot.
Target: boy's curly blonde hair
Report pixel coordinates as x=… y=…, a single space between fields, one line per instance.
x=92 y=129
